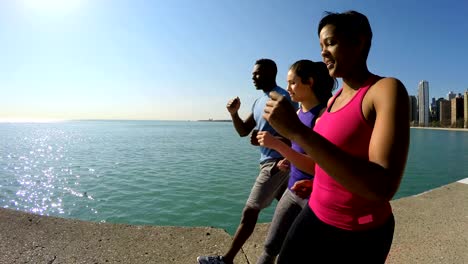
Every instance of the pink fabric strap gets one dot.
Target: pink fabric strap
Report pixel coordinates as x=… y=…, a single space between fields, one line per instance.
x=330 y=201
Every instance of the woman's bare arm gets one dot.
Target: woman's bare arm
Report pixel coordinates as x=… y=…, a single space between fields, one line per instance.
x=377 y=178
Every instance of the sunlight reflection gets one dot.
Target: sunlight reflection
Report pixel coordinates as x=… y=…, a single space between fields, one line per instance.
x=52 y=5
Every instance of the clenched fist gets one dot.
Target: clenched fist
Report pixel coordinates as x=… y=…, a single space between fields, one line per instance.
x=281 y=115
x=233 y=105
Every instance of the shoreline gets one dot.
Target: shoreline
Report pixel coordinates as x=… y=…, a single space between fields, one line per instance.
x=443 y=128
x=431 y=227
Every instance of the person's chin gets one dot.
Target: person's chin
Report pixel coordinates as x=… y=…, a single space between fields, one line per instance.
x=333 y=73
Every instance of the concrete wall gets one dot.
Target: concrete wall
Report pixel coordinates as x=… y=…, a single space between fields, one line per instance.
x=430 y=228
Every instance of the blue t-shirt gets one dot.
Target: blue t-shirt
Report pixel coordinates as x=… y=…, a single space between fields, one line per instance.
x=262 y=125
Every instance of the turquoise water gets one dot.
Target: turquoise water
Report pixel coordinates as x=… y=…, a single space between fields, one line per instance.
x=166 y=172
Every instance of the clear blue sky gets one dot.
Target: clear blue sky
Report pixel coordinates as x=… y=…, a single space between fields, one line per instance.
x=182 y=60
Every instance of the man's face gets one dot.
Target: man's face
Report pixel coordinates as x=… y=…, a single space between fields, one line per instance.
x=260 y=76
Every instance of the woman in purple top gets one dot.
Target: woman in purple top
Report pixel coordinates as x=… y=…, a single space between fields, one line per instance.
x=309 y=84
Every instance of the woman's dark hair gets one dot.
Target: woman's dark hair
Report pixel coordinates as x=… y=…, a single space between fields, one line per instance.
x=323 y=85
x=352 y=25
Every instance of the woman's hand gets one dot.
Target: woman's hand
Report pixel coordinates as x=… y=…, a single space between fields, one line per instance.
x=282 y=116
x=302 y=188
x=283 y=165
x=265 y=139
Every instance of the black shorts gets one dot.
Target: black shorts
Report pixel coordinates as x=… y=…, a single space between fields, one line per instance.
x=310 y=240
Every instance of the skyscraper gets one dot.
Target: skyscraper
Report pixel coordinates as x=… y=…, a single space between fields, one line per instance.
x=451 y=95
x=423 y=103
x=413 y=104
x=437 y=109
x=457 y=112
x=465 y=106
x=445 y=113
x=433 y=110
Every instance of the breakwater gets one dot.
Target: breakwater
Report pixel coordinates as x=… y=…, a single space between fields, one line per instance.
x=431 y=227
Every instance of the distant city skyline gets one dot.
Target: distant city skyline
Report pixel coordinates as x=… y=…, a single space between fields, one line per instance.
x=184 y=59
x=449 y=111
x=439 y=95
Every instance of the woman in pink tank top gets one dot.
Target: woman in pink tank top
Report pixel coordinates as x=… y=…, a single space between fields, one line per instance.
x=360 y=147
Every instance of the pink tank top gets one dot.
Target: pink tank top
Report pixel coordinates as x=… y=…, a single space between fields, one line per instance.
x=331 y=202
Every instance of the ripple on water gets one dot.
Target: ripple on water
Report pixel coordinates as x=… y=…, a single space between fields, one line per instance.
x=165 y=173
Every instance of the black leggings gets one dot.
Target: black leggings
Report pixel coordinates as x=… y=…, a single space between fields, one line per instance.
x=309 y=240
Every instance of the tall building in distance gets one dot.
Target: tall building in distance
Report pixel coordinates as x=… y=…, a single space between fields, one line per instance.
x=465 y=107
x=423 y=102
x=433 y=110
x=457 y=111
x=441 y=112
x=451 y=95
x=445 y=113
x=413 y=106
x=436 y=110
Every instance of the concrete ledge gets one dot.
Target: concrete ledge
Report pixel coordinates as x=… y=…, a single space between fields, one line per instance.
x=28 y=238
x=430 y=228
x=433 y=227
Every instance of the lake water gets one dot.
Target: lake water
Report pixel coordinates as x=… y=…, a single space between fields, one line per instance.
x=177 y=173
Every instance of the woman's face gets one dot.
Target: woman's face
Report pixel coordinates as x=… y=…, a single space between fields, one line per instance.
x=338 y=54
x=298 y=91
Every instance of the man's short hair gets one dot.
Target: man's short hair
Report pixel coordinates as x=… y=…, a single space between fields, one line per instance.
x=270 y=65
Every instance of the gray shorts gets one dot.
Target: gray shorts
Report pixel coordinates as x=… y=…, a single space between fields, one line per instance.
x=270 y=184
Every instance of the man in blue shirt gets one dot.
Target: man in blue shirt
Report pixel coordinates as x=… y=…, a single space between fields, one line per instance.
x=271 y=181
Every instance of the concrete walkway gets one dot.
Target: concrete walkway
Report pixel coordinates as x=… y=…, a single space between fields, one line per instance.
x=430 y=228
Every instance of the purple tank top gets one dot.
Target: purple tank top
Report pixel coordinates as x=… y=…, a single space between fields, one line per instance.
x=308 y=119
